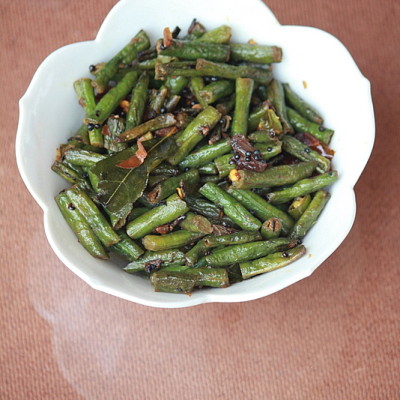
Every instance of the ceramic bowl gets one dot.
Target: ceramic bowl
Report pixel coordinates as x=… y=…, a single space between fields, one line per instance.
x=50 y=114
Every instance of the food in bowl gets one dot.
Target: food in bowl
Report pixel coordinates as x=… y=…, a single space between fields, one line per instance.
x=193 y=162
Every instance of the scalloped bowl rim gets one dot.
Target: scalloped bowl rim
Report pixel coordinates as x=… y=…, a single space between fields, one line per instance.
x=342 y=191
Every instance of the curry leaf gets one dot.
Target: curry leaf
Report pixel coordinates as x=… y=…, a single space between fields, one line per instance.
x=118 y=188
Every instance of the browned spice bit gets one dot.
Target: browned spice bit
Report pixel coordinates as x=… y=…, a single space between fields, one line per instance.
x=246 y=156
x=171 y=130
x=124 y=104
x=136 y=159
x=204 y=130
x=167 y=228
x=180 y=192
x=153 y=266
x=71 y=207
x=215 y=136
x=315 y=145
x=105 y=130
x=219 y=230
x=167 y=37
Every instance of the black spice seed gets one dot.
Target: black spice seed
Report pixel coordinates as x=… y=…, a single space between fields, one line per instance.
x=97 y=126
x=97 y=113
x=92 y=68
x=269 y=149
x=85 y=175
x=257 y=157
x=237 y=156
x=306 y=150
x=122 y=114
x=248 y=159
x=149 y=268
x=186 y=169
x=248 y=153
x=221 y=121
x=224 y=224
x=162 y=47
x=299 y=241
x=90 y=126
x=284 y=254
x=71 y=207
x=163 y=110
x=192 y=103
x=256 y=152
x=213 y=79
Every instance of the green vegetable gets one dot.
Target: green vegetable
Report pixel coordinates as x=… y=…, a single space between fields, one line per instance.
x=194 y=132
x=193 y=50
x=231 y=207
x=301 y=124
x=169 y=186
x=159 y=122
x=184 y=281
x=243 y=92
x=222 y=35
x=80 y=227
x=309 y=217
x=217 y=90
x=271 y=262
x=256 y=53
x=303 y=187
x=139 y=43
x=304 y=109
x=274 y=176
x=144 y=224
x=126 y=247
x=138 y=101
x=261 y=208
x=221 y=70
x=293 y=146
x=167 y=257
x=298 y=206
x=93 y=216
x=206 y=154
x=172 y=240
x=248 y=251
x=276 y=95
x=196 y=223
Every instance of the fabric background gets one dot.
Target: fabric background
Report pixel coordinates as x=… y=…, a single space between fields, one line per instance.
x=334 y=335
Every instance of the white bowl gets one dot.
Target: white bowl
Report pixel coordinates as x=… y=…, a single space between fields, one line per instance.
x=49 y=114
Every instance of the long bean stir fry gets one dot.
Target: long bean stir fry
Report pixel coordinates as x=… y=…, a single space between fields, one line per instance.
x=193 y=163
